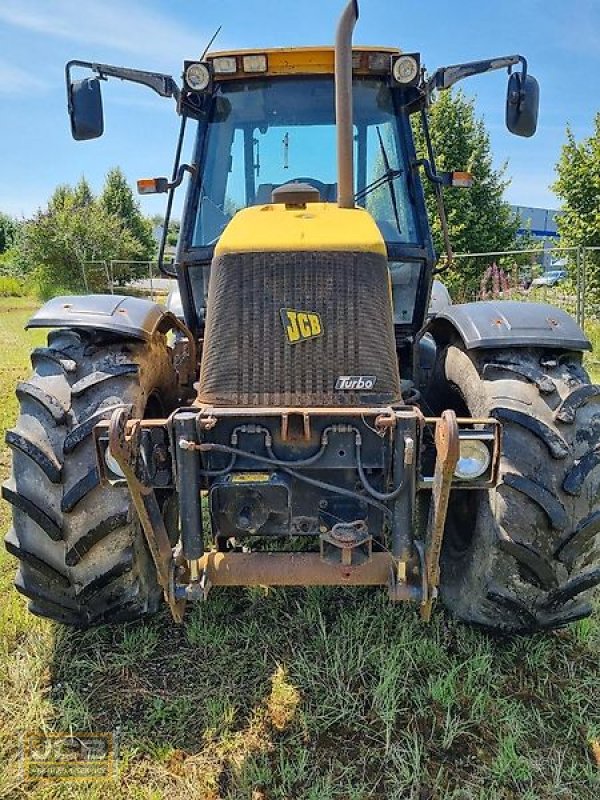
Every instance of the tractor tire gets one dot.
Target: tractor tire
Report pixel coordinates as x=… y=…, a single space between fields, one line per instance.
x=83 y=559
x=525 y=556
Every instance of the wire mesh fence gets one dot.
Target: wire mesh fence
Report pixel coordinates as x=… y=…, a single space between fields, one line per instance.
x=555 y=275
x=564 y=277
x=126 y=277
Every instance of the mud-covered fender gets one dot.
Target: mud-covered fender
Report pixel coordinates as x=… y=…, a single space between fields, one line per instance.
x=130 y=317
x=507 y=323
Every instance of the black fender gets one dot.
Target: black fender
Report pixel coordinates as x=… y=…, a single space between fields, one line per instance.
x=130 y=317
x=507 y=323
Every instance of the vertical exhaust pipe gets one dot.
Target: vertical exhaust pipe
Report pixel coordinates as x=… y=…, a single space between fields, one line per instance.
x=343 y=104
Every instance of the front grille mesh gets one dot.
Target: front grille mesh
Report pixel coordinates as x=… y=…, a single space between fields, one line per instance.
x=247 y=360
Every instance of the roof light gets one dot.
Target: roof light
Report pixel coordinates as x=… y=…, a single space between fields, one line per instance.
x=197 y=77
x=379 y=62
x=255 y=63
x=225 y=65
x=406 y=69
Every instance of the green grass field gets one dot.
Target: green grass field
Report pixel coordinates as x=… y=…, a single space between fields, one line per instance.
x=296 y=694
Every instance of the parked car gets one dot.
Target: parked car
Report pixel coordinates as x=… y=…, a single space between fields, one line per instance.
x=550 y=278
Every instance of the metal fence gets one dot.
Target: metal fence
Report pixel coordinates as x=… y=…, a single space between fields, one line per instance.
x=132 y=277
x=555 y=275
x=560 y=276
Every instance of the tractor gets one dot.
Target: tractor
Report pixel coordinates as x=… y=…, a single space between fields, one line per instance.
x=308 y=408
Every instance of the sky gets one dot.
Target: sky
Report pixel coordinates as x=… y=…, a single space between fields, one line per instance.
x=561 y=41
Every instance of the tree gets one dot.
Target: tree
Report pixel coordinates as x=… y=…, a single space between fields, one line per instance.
x=8 y=232
x=118 y=201
x=478 y=218
x=69 y=246
x=578 y=185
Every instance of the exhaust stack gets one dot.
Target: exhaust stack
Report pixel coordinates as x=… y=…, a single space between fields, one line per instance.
x=343 y=104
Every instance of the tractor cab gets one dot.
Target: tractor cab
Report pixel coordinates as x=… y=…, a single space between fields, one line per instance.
x=264 y=130
x=266 y=120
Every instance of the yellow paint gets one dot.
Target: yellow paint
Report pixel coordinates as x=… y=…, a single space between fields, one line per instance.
x=250 y=477
x=298 y=61
x=317 y=227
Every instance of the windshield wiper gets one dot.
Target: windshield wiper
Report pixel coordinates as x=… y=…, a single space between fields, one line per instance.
x=388 y=178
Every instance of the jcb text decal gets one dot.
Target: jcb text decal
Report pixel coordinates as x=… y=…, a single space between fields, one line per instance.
x=300 y=325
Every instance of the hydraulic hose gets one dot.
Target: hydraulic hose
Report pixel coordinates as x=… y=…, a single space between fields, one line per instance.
x=223 y=448
x=384 y=497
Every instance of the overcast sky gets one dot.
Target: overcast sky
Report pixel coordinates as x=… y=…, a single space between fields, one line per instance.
x=560 y=39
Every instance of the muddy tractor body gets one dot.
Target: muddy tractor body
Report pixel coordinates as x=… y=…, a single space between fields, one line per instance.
x=301 y=414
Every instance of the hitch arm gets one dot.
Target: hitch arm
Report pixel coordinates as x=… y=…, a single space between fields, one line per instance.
x=124 y=446
x=447 y=445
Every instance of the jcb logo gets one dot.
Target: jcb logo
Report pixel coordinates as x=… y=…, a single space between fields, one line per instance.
x=300 y=325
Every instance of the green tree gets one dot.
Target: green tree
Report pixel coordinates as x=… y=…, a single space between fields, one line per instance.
x=69 y=246
x=118 y=201
x=478 y=218
x=8 y=232
x=158 y=221
x=578 y=186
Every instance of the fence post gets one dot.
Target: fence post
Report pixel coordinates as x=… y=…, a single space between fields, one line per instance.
x=579 y=298
x=583 y=287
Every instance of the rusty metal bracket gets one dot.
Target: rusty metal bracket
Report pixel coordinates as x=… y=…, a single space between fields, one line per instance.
x=348 y=544
x=186 y=358
x=124 y=444
x=447 y=445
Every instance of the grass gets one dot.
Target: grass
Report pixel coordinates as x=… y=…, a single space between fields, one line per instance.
x=320 y=694
x=592 y=329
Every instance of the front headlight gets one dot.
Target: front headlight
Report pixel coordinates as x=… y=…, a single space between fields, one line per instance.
x=112 y=464
x=474 y=460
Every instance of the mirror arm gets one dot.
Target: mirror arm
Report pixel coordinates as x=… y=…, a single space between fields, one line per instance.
x=445 y=77
x=432 y=176
x=163 y=268
x=163 y=85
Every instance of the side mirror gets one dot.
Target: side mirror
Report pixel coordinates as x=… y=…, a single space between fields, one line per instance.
x=85 y=109
x=522 y=104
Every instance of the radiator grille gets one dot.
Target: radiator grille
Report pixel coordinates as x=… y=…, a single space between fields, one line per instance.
x=247 y=360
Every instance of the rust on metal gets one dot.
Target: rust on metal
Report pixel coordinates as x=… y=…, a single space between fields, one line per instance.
x=447 y=445
x=186 y=355
x=292 y=569
x=124 y=446
x=348 y=543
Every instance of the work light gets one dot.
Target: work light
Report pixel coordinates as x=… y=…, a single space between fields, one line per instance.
x=197 y=77
x=406 y=69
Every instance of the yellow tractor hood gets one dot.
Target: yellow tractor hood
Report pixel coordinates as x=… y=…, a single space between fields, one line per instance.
x=312 y=228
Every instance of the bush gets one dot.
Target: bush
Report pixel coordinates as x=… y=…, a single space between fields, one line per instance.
x=11 y=287
x=46 y=290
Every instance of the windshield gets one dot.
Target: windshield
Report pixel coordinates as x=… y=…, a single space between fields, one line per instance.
x=267 y=132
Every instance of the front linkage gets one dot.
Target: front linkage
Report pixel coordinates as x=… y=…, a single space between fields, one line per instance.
x=179 y=453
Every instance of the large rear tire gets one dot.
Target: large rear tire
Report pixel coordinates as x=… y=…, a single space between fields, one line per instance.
x=525 y=556
x=82 y=556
